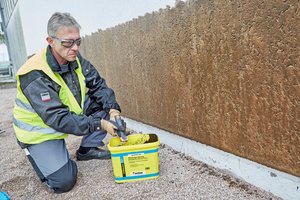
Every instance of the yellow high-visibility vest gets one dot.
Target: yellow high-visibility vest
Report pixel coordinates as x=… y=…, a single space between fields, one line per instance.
x=28 y=126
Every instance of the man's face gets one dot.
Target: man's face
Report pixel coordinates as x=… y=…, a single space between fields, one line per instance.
x=61 y=53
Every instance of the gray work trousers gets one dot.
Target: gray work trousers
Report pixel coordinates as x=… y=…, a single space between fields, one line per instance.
x=51 y=159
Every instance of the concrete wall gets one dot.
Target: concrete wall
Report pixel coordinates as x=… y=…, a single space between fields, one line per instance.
x=223 y=73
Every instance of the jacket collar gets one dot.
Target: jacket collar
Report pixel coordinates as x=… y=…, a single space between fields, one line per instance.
x=54 y=64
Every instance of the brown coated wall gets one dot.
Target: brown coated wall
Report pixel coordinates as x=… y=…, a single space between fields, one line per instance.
x=223 y=73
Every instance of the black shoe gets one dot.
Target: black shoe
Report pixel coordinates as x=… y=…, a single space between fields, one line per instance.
x=94 y=153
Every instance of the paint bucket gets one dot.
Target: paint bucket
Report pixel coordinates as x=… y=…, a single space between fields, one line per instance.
x=137 y=159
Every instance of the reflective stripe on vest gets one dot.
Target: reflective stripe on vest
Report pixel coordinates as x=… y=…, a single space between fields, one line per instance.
x=28 y=125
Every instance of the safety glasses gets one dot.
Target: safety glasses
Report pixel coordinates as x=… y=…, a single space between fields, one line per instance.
x=68 y=43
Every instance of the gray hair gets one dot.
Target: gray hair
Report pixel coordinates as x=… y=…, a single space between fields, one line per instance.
x=59 y=20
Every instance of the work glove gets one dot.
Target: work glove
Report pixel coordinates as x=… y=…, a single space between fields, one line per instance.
x=110 y=126
x=113 y=113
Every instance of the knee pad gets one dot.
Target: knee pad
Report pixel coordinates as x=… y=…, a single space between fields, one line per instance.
x=64 y=179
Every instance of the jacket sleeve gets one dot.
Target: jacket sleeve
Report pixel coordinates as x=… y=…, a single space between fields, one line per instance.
x=97 y=87
x=53 y=112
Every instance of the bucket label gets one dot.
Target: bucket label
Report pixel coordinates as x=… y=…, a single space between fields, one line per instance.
x=138 y=163
x=137 y=173
x=142 y=158
x=136 y=154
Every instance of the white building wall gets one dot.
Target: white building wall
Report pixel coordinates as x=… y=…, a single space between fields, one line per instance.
x=16 y=40
x=3 y=49
x=3 y=53
x=91 y=15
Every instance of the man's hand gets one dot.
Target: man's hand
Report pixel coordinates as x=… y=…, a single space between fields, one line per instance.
x=111 y=126
x=113 y=113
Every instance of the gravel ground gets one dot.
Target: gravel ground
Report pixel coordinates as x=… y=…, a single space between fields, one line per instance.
x=181 y=177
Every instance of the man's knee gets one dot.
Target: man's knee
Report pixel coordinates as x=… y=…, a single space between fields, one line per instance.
x=64 y=179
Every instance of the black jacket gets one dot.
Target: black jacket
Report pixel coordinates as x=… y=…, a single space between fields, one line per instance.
x=54 y=113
